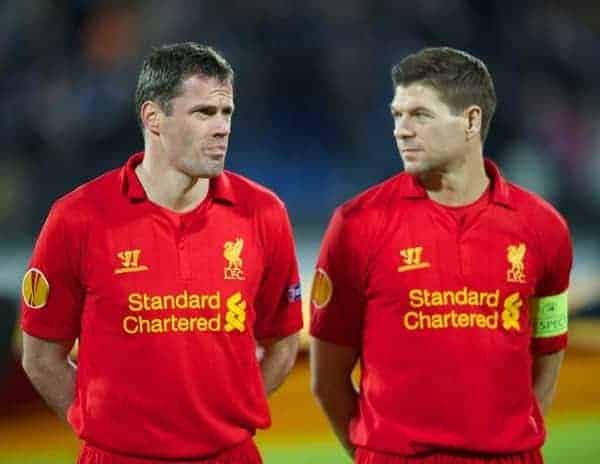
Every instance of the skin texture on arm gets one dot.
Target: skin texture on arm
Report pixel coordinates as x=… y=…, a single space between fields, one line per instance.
x=331 y=383
x=278 y=358
x=50 y=370
x=545 y=378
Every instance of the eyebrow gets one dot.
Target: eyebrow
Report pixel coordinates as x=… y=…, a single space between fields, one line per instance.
x=412 y=110
x=206 y=106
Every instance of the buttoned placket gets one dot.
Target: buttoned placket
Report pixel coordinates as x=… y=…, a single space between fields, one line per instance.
x=183 y=247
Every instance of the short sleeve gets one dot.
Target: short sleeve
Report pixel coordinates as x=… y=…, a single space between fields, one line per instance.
x=554 y=283
x=336 y=296
x=52 y=294
x=278 y=301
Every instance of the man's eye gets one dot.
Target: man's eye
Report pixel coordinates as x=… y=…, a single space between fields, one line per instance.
x=205 y=111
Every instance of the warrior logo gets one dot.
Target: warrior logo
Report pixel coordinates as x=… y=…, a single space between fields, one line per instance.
x=130 y=262
x=411 y=259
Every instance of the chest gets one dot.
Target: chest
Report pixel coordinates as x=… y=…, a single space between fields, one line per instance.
x=433 y=282
x=189 y=273
x=433 y=252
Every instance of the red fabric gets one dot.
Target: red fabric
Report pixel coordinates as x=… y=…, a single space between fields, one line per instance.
x=365 y=456
x=439 y=309
x=167 y=358
x=246 y=453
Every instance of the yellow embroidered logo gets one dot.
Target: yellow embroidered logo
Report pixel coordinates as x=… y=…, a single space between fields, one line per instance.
x=231 y=252
x=322 y=289
x=35 y=289
x=512 y=312
x=411 y=257
x=130 y=262
x=515 y=256
x=235 y=318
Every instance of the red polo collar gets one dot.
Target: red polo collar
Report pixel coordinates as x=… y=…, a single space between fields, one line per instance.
x=220 y=187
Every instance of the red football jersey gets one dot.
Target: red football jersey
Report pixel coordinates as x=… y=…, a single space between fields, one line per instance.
x=437 y=300
x=167 y=308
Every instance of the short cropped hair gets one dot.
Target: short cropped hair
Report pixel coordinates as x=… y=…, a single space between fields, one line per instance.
x=165 y=69
x=459 y=78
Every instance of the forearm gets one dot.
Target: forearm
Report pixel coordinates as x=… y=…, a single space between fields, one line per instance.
x=277 y=361
x=52 y=373
x=340 y=404
x=545 y=378
x=55 y=383
x=331 y=383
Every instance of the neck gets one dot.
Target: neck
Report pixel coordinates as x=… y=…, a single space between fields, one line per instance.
x=169 y=187
x=457 y=186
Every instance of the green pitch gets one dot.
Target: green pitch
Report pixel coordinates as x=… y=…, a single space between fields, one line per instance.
x=575 y=442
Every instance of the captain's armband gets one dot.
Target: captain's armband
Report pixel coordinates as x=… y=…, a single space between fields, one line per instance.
x=550 y=315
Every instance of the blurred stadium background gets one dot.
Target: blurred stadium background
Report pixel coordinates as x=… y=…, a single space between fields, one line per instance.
x=312 y=123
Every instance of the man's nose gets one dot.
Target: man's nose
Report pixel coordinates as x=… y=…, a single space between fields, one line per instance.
x=403 y=128
x=223 y=126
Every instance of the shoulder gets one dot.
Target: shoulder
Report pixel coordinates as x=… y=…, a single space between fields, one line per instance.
x=252 y=195
x=374 y=201
x=537 y=211
x=91 y=195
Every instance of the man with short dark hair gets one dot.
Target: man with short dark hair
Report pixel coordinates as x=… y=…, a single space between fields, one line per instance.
x=169 y=272
x=448 y=282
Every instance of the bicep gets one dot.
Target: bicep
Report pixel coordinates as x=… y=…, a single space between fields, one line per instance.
x=547 y=365
x=287 y=344
x=39 y=351
x=331 y=364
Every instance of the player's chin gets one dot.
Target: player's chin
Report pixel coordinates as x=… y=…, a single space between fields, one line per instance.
x=214 y=171
x=412 y=167
x=213 y=165
x=206 y=170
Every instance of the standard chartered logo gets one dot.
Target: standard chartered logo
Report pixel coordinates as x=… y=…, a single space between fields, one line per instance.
x=512 y=312
x=434 y=310
x=236 y=313
x=183 y=312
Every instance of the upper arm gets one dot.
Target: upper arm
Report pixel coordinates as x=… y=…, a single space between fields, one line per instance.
x=548 y=364
x=52 y=291
x=330 y=365
x=549 y=305
x=287 y=344
x=278 y=304
x=41 y=352
x=337 y=295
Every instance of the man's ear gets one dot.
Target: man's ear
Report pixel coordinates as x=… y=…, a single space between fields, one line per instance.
x=472 y=121
x=151 y=116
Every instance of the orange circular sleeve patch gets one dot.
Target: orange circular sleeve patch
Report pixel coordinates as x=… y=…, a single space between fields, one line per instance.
x=322 y=289
x=35 y=289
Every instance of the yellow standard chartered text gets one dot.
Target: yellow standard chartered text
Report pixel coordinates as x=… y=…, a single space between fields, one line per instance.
x=422 y=299
x=207 y=316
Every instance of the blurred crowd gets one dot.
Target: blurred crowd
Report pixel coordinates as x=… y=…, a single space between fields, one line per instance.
x=312 y=92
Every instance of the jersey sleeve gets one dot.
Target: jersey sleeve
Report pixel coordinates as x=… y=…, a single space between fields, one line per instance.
x=337 y=296
x=549 y=305
x=278 y=302
x=52 y=294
